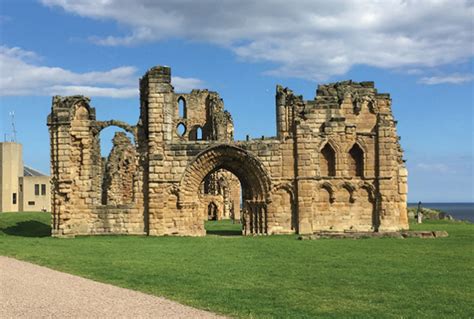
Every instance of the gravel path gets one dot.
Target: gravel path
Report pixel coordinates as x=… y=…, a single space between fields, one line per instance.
x=31 y=291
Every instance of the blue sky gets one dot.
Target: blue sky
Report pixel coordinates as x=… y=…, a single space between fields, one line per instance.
x=421 y=53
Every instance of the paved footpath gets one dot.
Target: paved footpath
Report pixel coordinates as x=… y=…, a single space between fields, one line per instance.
x=31 y=291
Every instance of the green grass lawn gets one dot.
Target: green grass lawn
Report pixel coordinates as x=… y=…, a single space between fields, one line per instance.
x=275 y=276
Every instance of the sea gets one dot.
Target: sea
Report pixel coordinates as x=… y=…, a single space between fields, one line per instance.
x=460 y=211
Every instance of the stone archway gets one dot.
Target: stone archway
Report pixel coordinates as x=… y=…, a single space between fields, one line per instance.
x=253 y=177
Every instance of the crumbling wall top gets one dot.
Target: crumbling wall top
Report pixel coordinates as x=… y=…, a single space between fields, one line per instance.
x=159 y=74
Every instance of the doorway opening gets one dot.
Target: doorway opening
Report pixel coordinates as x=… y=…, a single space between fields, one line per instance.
x=221 y=196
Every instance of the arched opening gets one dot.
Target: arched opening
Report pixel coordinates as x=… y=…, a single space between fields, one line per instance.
x=195 y=134
x=181 y=129
x=117 y=166
x=240 y=167
x=328 y=161
x=182 y=107
x=199 y=134
x=212 y=213
x=356 y=161
x=222 y=189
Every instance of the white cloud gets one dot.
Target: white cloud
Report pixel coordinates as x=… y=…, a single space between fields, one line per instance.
x=306 y=38
x=451 y=79
x=433 y=167
x=22 y=76
x=186 y=84
x=93 y=91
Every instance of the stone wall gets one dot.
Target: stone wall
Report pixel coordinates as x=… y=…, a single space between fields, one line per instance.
x=118 y=173
x=335 y=164
x=222 y=188
x=80 y=204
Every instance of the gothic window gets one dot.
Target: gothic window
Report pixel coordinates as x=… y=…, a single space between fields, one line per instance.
x=195 y=134
x=199 y=133
x=182 y=107
x=356 y=161
x=328 y=161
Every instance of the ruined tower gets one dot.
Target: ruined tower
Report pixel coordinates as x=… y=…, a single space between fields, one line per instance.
x=335 y=164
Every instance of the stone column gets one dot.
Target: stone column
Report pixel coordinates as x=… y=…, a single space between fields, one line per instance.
x=304 y=187
x=387 y=170
x=59 y=124
x=72 y=165
x=156 y=95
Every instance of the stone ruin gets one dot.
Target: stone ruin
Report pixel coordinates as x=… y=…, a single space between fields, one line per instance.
x=335 y=165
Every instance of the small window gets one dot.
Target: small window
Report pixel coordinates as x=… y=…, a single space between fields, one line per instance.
x=195 y=134
x=37 y=189
x=43 y=189
x=181 y=129
x=21 y=188
x=328 y=161
x=31 y=203
x=182 y=107
x=14 y=198
x=199 y=134
x=356 y=161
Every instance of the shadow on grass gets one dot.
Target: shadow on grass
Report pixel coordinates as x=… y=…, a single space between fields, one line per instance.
x=30 y=228
x=224 y=232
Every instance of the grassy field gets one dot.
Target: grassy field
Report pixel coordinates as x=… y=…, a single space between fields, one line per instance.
x=264 y=277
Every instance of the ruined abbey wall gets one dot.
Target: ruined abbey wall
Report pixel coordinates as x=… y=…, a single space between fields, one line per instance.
x=334 y=164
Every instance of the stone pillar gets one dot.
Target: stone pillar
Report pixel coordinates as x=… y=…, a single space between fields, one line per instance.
x=304 y=187
x=156 y=95
x=388 y=197
x=59 y=124
x=265 y=219
x=72 y=165
x=403 y=191
x=281 y=120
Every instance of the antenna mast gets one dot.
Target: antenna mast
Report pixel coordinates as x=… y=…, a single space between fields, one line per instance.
x=12 y=116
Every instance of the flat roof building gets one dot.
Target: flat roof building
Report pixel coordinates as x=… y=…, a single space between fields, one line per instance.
x=22 y=187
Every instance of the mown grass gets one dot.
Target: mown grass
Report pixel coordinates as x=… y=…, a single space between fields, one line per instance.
x=264 y=277
x=223 y=228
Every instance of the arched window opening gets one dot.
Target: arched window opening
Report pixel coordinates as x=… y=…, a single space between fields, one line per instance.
x=328 y=161
x=199 y=134
x=182 y=108
x=181 y=129
x=195 y=134
x=117 y=166
x=356 y=161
